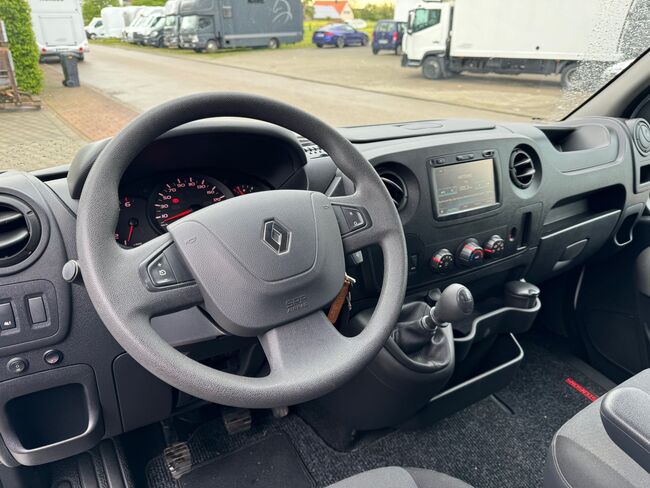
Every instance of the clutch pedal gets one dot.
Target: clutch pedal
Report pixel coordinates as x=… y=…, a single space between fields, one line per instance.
x=178 y=459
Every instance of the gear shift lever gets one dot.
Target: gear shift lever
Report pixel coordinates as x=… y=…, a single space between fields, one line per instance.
x=455 y=303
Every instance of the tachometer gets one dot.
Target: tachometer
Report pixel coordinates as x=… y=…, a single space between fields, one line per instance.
x=184 y=195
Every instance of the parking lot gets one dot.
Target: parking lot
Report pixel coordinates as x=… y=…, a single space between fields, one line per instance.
x=344 y=86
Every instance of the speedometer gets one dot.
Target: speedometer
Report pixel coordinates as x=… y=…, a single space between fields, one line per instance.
x=183 y=195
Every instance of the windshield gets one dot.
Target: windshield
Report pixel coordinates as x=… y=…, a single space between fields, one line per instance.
x=189 y=22
x=495 y=60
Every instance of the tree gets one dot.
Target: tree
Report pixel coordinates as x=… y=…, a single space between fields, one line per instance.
x=93 y=8
x=17 y=18
x=151 y=3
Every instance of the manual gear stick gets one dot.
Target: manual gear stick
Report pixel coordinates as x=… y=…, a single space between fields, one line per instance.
x=455 y=303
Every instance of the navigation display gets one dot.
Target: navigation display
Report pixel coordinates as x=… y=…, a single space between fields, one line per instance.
x=464 y=187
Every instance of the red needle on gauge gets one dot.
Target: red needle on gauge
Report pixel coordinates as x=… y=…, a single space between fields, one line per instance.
x=131 y=227
x=178 y=215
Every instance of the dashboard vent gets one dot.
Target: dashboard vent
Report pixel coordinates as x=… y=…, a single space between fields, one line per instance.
x=20 y=231
x=396 y=188
x=311 y=150
x=642 y=137
x=522 y=168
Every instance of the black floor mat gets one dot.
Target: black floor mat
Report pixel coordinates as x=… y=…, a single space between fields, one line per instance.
x=269 y=462
x=492 y=444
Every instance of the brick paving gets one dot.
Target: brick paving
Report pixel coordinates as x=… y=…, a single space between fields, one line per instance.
x=69 y=119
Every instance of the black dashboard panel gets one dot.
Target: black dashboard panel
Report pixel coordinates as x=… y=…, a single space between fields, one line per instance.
x=558 y=195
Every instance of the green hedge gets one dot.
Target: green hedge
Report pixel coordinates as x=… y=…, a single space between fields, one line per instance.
x=17 y=18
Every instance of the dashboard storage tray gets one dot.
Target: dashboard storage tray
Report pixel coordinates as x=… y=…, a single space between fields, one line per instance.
x=498 y=321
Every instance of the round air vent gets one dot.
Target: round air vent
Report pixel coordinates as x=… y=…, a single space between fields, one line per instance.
x=396 y=188
x=642 y=137
x=20 y=231
x=522 y=168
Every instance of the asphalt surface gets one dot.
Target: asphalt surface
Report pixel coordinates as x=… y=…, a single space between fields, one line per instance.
x=343 y=86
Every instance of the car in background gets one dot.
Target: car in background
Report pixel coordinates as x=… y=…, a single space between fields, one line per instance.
x=387 y=36
x=339 y=35
x=357 y=23
x=95 y=28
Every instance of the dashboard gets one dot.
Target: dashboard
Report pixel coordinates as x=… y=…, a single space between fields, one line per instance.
x=480 y=203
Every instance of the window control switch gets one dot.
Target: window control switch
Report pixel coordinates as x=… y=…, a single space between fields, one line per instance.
x=37 y=310
x=7 y=320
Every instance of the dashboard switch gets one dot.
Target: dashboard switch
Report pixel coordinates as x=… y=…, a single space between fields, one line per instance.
x=494 y=247
x=37 y=310
x=442 y=261
x=161 y=272
x=7 y=320
x=17 y=365
x=470 y=253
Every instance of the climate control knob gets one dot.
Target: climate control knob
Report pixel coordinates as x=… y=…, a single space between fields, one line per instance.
x=442 y=261
x=494 y=247
x=470 y=253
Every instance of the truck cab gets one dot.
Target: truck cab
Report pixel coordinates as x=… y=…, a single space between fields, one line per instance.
x=427 y=34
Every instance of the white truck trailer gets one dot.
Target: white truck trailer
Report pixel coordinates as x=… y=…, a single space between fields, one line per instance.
x=116 y=19
x=511 y=36
x=59 y=27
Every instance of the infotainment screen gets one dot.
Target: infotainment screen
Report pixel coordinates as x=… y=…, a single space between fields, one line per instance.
x=464 y=187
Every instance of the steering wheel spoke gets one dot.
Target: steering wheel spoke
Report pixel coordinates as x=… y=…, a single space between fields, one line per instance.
x=357 y=228
x=298 y=349
x=156 y=267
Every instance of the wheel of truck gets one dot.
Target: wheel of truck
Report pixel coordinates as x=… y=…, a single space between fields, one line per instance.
x=569 y=75
x=340 y=43
x=432 y=68
x=92 y=36
x=274 y=43
x=375 y=50
x=319 y=45
x=211 y=46
x=160 y=43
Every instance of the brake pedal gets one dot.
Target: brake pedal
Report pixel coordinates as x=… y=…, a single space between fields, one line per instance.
x=236 y=420
x=178 y=459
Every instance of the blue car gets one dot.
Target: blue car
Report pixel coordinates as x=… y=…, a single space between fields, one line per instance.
x=339 y=35
x=388 y=36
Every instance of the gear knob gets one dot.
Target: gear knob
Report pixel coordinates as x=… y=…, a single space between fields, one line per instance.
x=455 y=303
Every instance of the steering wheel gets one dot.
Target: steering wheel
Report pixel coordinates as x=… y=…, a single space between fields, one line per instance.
x=262 y=265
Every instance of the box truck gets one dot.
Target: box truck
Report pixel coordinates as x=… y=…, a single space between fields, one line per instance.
x=145 y=19
x=511 y=36
x=209 y=25
x=58 y=27
x=116 y=19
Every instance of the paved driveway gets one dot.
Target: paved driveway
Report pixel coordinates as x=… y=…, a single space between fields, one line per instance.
x=344 y=87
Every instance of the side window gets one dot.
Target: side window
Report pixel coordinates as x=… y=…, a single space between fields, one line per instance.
x=205 y=22
x=99 y=23
x=384 y=27
x=425 y=18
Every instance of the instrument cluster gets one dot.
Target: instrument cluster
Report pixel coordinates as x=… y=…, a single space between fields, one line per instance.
x=147 y=207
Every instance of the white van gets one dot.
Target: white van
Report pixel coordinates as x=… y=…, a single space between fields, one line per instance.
x=59 y=27
x=95 y=28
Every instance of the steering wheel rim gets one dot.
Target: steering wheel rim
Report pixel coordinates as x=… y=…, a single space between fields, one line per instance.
x=308 y=357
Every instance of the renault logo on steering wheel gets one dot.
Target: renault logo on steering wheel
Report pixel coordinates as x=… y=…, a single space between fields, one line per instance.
x=276 y=237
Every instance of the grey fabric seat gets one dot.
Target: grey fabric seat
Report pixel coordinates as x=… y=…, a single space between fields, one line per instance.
x=394 y=477
x=582 y=454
